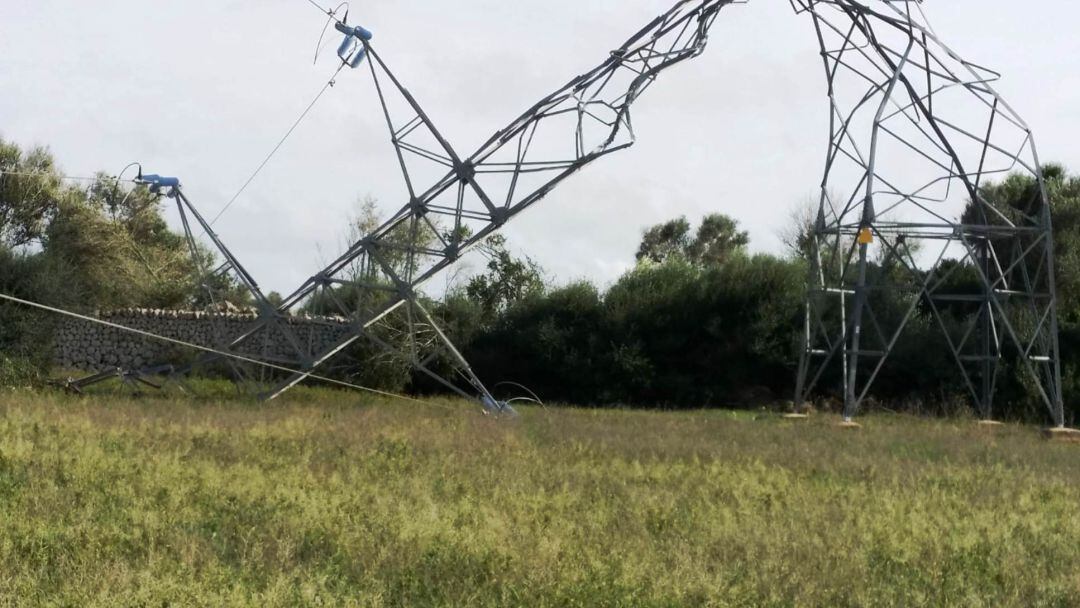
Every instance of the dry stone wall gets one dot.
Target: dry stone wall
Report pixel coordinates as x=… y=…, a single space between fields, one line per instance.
x=83 y=345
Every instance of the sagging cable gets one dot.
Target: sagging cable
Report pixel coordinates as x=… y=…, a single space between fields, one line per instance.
x=205 y=349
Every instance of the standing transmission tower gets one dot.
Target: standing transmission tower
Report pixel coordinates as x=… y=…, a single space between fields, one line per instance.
x=916 y=133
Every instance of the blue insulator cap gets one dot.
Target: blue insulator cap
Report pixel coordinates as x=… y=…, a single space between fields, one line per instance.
x=352 y=50
x=159 y=181
x=363 y=34
x=357 y=31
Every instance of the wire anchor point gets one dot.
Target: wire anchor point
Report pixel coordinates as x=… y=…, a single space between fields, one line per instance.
x=353 y=48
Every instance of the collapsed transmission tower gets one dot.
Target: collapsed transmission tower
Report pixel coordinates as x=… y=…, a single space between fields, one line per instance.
x=454 y=202
x=916 y=131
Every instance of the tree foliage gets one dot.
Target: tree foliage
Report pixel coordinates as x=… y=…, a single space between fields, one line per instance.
x=717 y=239
x=99 y=247
x=508 y=279
x=30 y=194
x=1013 y=198
x=697 y=322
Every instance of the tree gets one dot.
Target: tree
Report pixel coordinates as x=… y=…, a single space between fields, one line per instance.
x=30 y=190
x=703 y=334
x=718 y=238
x=664 y=241
x=556 y=343
x=508 y=279
x=797 y=236
x=107 y=246
x=367 y=289
x=275 y=299
x=1020 y=194
x=121 y=252
x=402 y=255
x=103 y=247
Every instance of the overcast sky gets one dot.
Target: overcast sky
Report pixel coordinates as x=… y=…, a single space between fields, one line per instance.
x=203 y=89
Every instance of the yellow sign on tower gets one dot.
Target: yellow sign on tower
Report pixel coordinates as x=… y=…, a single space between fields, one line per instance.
x=866 y=236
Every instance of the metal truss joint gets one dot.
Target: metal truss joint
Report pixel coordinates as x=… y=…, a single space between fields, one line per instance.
x=465 y=171
x=418 y=207
x=500 y=215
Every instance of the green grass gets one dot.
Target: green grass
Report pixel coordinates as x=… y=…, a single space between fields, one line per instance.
x=330 y=499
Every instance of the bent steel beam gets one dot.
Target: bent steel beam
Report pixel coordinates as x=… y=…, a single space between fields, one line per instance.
x=916 y=132
x=469 y=198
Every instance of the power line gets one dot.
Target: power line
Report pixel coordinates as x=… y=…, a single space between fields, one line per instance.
x=329 y=83
x=332 y=19
x=62 y=177
x=262 y=165
x=318 y=6
x=330 y=13
x=205 y=349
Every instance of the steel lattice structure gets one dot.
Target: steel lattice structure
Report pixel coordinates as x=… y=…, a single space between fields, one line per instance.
x=915 y=133
x=457 y=201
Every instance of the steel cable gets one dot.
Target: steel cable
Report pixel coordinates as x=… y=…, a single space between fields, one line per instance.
x=262 y=165
x=206 y=349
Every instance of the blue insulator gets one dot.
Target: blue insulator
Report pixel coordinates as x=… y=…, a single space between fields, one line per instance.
x=352 y=50
x=346 y=47
x=158 y=181
x=358 y=58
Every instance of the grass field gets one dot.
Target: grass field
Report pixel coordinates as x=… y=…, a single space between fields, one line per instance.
x=331 y=499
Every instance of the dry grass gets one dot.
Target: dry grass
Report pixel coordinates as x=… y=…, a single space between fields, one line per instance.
x=332 y=499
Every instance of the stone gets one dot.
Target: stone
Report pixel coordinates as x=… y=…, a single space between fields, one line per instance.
x=1062 y=435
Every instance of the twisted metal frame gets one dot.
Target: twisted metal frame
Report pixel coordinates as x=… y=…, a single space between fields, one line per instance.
x=469 y=198
x=916 y=131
